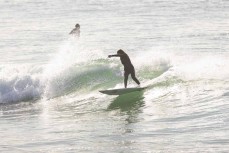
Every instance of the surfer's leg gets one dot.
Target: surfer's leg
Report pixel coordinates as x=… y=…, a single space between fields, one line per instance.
x=125 y=78
x=134 y=78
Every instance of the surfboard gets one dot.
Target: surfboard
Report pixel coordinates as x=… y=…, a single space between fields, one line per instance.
x=121 y=91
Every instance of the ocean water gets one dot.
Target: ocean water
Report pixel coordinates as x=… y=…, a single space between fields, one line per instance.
x=49 y=80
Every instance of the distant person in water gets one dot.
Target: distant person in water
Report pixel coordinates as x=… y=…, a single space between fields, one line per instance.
x=128 y=67
x=76 y=30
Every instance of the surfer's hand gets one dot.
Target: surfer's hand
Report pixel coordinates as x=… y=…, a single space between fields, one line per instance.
x=109 y=56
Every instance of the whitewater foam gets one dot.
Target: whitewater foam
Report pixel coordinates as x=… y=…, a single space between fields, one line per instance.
x=19 y=84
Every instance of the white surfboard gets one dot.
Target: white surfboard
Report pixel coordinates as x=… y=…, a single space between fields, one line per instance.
x=120 y=91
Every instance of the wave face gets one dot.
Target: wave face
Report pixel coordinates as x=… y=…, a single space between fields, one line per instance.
x=75 y=69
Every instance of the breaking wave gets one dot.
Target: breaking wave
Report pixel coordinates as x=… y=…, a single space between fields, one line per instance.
x=76 y=69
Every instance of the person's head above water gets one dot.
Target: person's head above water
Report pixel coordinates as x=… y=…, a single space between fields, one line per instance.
x=77 y=25
x=120 y=51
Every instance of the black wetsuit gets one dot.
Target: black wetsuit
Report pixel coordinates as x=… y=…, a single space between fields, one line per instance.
x=128 y=68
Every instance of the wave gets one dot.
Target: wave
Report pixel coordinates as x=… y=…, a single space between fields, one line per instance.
x=19 y=84
x=76 y=69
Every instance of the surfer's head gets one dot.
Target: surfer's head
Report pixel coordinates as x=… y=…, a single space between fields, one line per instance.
x=120 y=51
x=77 y=25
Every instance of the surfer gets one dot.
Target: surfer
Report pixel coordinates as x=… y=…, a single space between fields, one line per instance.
x=128 y=67
x=76 y=30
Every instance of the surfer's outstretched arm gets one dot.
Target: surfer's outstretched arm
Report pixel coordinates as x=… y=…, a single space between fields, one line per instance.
x=116 y=55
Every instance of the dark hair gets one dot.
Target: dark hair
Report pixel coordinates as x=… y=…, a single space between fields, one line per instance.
x=77 y=25
x=120 y=51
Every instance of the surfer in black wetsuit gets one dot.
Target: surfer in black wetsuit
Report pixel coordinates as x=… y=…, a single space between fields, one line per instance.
x=128 y=67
